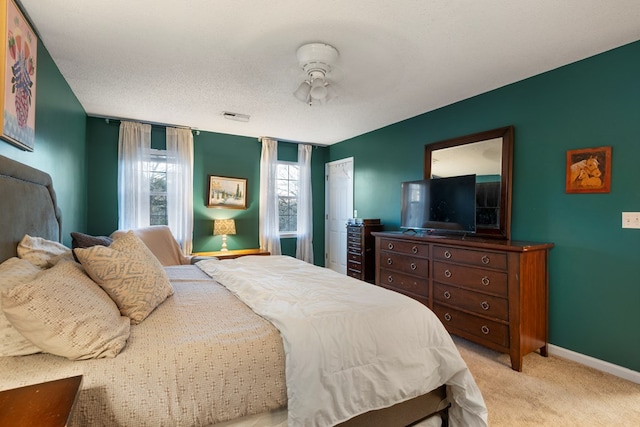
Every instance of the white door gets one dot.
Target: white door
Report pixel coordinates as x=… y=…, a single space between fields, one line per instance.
x=338 y=208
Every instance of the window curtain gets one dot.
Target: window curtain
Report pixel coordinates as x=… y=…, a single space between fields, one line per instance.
x=304 y=244
x=180 y=186
x=269 y=225
x=134 y=145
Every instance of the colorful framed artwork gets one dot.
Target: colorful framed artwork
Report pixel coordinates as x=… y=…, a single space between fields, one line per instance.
x=228 y=193
x=18 y=74
x=589 y=170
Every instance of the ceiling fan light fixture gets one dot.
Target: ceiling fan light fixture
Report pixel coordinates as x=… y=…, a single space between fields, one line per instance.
x=316 y=60
x=302 y=93
x=318 y=89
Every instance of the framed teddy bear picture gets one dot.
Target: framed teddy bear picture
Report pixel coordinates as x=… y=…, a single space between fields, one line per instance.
x=589 y=170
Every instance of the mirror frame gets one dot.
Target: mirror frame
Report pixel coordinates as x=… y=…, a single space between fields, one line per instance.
x=503 y=230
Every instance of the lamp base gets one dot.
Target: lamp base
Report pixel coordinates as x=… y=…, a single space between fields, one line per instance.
x=224 y=243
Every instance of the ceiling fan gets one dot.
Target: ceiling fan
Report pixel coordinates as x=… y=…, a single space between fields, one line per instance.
x=316 y=60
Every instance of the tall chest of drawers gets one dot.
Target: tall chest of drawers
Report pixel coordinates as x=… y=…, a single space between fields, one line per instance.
x=360 y=249
x=494 y=293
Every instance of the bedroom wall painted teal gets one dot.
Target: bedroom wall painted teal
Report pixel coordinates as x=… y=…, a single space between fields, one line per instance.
x=594 y=291
x=59 y=147
x=594 y=270
x=214 y=154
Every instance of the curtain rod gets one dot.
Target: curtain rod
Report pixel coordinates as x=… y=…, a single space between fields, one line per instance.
x=292 y=142
x=153 y=124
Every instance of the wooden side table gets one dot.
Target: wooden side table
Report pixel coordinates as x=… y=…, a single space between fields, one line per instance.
x=233 y=254
x=46 y=404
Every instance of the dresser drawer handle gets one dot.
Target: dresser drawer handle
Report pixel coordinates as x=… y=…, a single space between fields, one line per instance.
x=390 y=246
x=447 y=273
x=484 y=305
x=413 y=266
x=485 y=259
x=447 y=294
x=447 y=254
x=414 y=249
x=390 y=279
x=485 y=281
x=485 y=329
x=389 y=261
x=447 y=317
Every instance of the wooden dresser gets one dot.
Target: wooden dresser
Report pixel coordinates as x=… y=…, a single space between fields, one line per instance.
x=361 y=260
x=492 y=292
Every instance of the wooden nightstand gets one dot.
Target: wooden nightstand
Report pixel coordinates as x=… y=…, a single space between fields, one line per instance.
x=46 y=404
x=233 y=254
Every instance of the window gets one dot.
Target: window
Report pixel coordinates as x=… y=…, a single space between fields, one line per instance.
x=287 y=186
x=157 y=170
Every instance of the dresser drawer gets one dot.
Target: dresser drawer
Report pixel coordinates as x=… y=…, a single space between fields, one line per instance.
x=354 y=273
x=354 y=256
x=479 y=327
x=405 y=264
x=354 y=240
x=494 y=282
x=409 y=248
x=354 y=265
x=467 y=256
x=404 y=282
x=472 y=301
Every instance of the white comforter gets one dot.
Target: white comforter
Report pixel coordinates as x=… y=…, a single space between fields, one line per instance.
x=351 y=347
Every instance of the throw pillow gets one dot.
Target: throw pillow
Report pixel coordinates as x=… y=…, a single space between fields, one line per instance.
x=131 y=275
x=64 y=312
x=42 y=252
x=81 y=240
x=15 y=271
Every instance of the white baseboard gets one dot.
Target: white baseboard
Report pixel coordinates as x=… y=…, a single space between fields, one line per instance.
x=601 y=365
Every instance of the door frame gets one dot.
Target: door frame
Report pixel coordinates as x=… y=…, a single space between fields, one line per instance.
x=327 y=200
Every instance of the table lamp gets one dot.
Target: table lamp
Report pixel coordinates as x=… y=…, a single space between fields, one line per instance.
x=222 y=227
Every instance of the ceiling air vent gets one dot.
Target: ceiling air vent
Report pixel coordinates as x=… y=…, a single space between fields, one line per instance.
x=235 y=116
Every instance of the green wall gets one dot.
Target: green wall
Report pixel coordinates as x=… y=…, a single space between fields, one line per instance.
x=594 y=270
x=214 y=154
x=59 y=147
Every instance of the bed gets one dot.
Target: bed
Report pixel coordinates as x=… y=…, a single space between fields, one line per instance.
x=257 y=341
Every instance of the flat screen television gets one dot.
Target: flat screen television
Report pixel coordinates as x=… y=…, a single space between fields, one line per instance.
x=440 y=205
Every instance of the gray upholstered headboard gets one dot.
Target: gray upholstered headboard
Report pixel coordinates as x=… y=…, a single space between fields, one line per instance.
x=27 y=206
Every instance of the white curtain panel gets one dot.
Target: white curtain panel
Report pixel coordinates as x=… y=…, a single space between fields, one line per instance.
x=180 y=186
x=134 y=146
x=269 y=229
x=304 y=244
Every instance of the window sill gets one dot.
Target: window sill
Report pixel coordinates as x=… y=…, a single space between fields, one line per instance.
x=288 y=235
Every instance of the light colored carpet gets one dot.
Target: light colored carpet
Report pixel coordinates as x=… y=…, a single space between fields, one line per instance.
x=550 y=391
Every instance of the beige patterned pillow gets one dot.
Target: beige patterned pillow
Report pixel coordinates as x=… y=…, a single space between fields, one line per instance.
x=64 y=312
x=132 y=276
x=15 y=271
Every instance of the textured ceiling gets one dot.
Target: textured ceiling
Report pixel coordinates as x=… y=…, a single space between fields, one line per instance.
x=185 y=62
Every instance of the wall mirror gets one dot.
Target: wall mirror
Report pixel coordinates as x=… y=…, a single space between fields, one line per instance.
x=488 y=155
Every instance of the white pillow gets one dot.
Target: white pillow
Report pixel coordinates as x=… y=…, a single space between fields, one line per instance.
x=130 y=273
x=42 y=252
x=64 y=312
x=15 y=271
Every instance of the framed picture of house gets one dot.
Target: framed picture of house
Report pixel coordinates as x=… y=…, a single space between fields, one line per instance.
x=18 y=75
x=228 y=193
x=589 y=170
